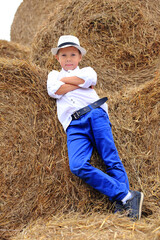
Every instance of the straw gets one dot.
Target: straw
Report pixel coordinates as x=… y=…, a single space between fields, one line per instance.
x=121 y=34
x=39 y=197
x=14 y=50
x=29 y=17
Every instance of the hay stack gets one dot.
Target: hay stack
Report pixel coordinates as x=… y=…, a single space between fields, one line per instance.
x=93 y=226
x=34 y=171
x=14 y=50
x=135 y=116
x=121 y=34
x=29 y=17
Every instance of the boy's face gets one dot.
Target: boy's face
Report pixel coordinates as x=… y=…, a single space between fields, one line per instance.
x=69 y=58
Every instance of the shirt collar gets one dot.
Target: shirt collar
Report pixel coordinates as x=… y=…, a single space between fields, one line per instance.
x=77 y=68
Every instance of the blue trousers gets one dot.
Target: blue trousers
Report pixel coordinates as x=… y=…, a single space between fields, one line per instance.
x=94 y=130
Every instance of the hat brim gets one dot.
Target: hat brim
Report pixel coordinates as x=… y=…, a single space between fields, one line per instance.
x=55 y=50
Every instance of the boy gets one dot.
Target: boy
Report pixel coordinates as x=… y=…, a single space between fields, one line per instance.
x=85 y=120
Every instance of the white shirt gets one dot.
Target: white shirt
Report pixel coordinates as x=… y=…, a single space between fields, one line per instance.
x=72 y=101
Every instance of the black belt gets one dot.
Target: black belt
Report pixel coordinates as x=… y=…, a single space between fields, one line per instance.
x=86 y=109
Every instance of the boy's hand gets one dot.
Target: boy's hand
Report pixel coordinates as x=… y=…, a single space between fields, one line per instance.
x=64 y=79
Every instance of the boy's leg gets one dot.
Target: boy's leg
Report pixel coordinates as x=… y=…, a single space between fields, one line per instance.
x=80 y=147
x=79 y=138
x=105 y=145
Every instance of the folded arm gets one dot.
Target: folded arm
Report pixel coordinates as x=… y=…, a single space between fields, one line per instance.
x=84 y=78
x=71 y=83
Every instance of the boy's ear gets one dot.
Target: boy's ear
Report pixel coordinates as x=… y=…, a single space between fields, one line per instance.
x=80 y=57
x=57 y=57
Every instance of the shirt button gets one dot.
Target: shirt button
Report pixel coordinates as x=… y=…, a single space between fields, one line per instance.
x=72 y=101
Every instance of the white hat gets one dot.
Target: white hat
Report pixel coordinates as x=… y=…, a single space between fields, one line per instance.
x=68 y=41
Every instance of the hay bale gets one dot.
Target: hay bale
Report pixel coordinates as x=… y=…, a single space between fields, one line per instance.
x=14 y=50
x=29 y=17
x=135 y=117
x=34 y=171
x=120 y=34
x=94 y=226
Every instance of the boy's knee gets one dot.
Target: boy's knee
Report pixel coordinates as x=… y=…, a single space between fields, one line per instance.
x=79 y=171
x=76 y=171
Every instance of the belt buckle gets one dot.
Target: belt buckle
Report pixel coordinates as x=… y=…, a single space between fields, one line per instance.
x=76 y=115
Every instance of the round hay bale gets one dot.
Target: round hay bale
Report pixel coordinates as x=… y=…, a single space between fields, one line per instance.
x=115 y=33
x=29 y=17
x=34 y=172
x=135 y=117
x=34 y=169
x=14 y=50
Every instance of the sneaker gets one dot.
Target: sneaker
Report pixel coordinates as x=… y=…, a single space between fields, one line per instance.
x=133 y=206
x=118 y=207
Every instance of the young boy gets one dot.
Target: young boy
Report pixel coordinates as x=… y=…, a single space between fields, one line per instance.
x=85 y=120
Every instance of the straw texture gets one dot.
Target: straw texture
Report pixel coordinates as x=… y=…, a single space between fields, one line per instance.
x=121 y=33
x=29 y=18
x=94 y=226
x=39 y=197
x=13 y=50
x=34 y=171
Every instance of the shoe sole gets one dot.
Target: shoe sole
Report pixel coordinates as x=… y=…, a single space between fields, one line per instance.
x=140 y=205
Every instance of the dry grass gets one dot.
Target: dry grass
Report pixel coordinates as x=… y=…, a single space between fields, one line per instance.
x=95 y=226
x=38 y=194
x=34 y=171
x=35 y=177
x=135 y=117
x=14 y=50
x=29 y=17
x=121 y=34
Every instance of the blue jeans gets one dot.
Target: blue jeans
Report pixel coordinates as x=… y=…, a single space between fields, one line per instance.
x=94 y=130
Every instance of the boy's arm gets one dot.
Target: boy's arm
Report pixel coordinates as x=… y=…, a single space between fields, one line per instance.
x=71 y=83
x=85 y=78
x=74 y=80
x=88 y=75
x=65 y=88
